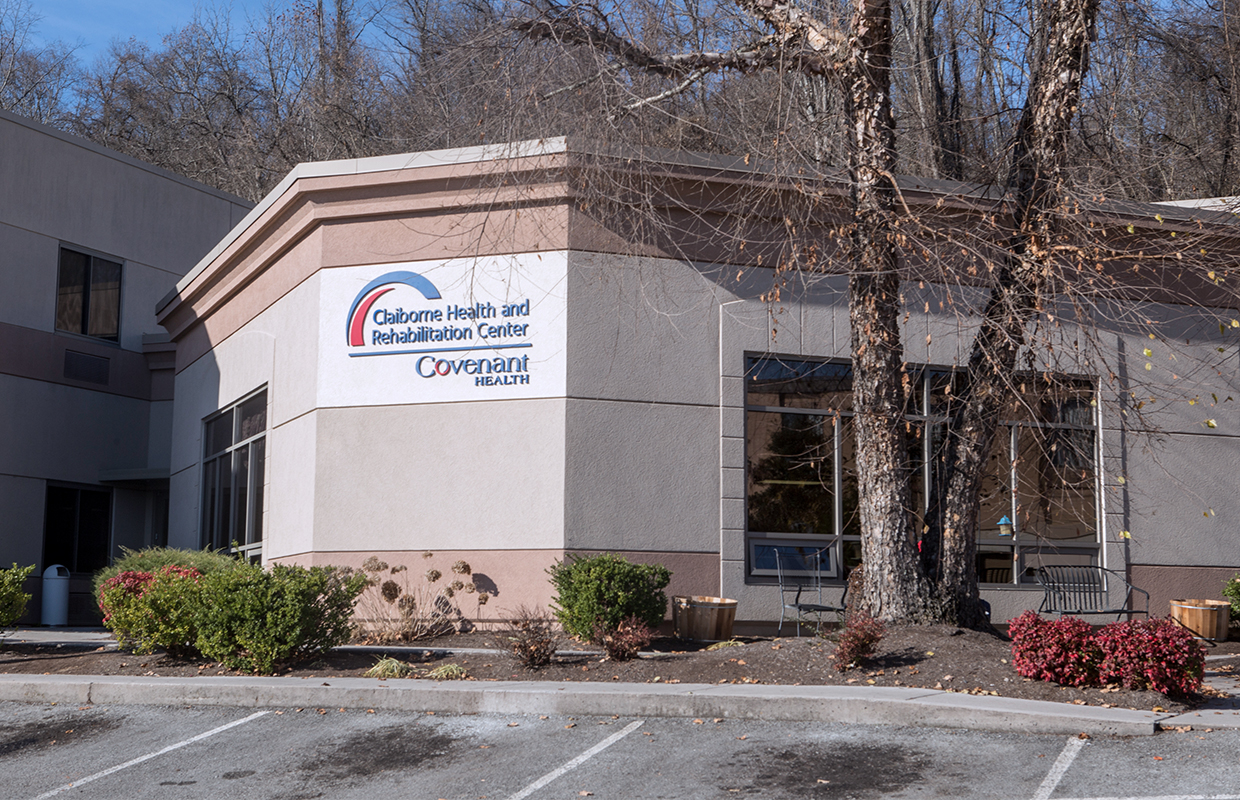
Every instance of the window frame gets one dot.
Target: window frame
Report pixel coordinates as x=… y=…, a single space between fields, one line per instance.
x=84 y=326
x=211 y=534
x=1018 y=549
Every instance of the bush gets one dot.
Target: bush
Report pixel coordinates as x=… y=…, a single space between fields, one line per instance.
x=858 y=640
x=13 y=598
x=1147 y=654
x=1062 y=650
x=1151 y=654
x=596 y=594
x=625 y=641
x=153 y=559
x=532 y=640
x=255 y=619
x=1231 y=590
x=148 y=610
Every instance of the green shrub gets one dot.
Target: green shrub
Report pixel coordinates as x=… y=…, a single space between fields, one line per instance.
x=153 y=559
x=1231 y=590
x=593 y=595
x=148 y=611
x=12 y=597
x=256 y=620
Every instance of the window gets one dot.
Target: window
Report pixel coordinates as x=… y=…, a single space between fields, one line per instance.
x=88 y=295
x=77 y=526
x=234 y=456
x=801 y=471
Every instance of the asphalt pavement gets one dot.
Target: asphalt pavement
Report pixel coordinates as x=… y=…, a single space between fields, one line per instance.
x=836 y=704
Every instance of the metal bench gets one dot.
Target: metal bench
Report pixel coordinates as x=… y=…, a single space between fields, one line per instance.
x=1081 y=591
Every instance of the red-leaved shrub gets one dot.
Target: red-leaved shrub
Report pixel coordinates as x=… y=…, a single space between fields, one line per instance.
x=1059 y=650
x=152 y=610
x=1151 y=654
x=858 y=640
x=1147 y=654
x=624 y=641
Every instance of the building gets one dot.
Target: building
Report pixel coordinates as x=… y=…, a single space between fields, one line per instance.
x=464 y=352
x=91 y=240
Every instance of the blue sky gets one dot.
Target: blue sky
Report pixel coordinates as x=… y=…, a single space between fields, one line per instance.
x=94 y=24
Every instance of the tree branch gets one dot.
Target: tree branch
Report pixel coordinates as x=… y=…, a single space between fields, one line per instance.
x=693 y=78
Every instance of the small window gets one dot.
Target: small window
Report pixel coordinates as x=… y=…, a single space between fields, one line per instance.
x=233 y=474
x=77 y=528
x=88 y=295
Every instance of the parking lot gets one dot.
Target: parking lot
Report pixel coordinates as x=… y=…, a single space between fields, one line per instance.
x=142 y=751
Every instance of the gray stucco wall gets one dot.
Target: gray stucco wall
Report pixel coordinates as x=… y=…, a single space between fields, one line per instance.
x=61 y=190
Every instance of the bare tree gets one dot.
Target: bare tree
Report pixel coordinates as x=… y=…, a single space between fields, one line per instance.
x=35 y=80
x=942 y=583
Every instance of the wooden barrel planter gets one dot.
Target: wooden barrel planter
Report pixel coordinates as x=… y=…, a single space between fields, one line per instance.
x=703 y=619
x=1205 y=619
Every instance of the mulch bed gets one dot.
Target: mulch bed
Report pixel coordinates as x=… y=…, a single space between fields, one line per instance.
x=934 y=657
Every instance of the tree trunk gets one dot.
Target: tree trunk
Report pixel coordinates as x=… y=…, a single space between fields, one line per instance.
x=894 y=587
x=1036 y=185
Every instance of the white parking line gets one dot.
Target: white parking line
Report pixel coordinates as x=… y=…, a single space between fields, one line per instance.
x=1059 y=768
x=1166 y=797
x=578 y=761
x=149 y=756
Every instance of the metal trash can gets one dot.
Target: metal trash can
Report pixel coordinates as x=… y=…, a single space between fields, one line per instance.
x=56 y=595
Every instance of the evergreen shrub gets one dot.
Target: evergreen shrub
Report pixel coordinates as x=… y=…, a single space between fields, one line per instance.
x=257 y=620
x=594 y=595
x=1231 y=590
x=13 y=598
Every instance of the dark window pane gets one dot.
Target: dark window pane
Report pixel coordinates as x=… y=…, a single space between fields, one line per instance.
x=849 y=497
x=94 y=525
x=994 y=565
x=1055 y=482
x=77 y=528
x=223 y=534
x=798 y=559
x=795 y=383
x=241 y=493
x=210 y=501
x=258 y=458
x=59 y=526
x=219 y=434
x=71 y=292
x=790 y=475
x=105 y=299
x=253 y=416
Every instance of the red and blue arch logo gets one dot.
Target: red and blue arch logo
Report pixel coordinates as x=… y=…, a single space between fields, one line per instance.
x=356 y=323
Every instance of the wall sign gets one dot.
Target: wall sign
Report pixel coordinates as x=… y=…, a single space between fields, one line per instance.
x=443 y=331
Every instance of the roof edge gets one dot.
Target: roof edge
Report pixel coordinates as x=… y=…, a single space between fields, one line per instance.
x=362 y=166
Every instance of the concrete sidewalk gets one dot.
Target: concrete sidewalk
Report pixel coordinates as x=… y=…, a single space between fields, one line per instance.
x=847 y=704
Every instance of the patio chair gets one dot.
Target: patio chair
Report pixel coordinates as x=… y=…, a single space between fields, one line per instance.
x=1082 y=590
x=800 y=589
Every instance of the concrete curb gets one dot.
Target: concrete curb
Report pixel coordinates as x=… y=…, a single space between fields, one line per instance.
x=850 y=704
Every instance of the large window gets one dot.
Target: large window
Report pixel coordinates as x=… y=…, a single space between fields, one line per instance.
x=802 y=473
x=88 y=295
x=234 y=456
x=77 y=526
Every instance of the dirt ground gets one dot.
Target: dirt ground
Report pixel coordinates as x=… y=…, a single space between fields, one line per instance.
x=935 y=657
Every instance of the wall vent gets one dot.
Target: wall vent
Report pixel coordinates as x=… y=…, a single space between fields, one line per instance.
x=86 y=368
